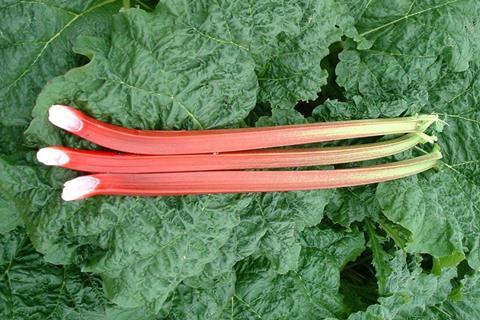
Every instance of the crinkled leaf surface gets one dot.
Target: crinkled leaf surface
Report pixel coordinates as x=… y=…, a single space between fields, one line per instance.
x=253 y=290
x=460 y=305
x=208 y=300
x=455 y=191
x=155 y=72
x=440 y=210
x=349 y=205
x=293 y=72
x=408 y=291
x=422 y=56
x=310 y=293
x=415 y=205
x=194 y=64
x=407 y=45
x=20 y=189
x=172 y=239
x=285 y=216
x=33 y=289
x=36 y=45
x=286 y=39
x=168 y=239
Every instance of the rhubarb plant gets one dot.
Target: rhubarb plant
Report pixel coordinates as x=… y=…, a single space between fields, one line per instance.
x=393 y=250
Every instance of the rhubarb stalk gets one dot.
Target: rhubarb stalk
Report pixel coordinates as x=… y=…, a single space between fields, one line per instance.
x=101 y=161
x=186 y=183
x=226 y=140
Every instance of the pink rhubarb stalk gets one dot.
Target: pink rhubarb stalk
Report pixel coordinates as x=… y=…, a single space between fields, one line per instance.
x=101 y=161
x=226 y=140
x=187 y=183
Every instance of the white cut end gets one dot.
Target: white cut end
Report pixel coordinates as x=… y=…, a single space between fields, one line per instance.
x=78 y=188
x=52 y=157
x=64 y=118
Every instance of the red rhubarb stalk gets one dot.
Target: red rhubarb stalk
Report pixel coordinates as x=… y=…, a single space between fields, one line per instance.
x=226 y=140
x=187 y=183
x=101 y=161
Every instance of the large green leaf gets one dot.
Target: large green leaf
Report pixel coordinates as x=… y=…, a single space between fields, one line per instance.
x=406 y=45
x=285 y=215
x=172 y=239
x=292 y=72
x=462 y=304
x=208 y=300
x=408 y=291
x=309 y=293
x=440 y=210
x=36 y=45
x=286 y=39
x=350 y=205
x=254 y=290
x=168 y=239
x=405 y=64
x=173 y=77
x=415 y=206
x=195 y=64
x=33 y=289
x=455 y=192
x=20 y=188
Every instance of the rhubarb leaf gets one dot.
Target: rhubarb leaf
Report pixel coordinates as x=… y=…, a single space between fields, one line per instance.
x=241 y=293
x=405 y=65
x=457 y=187
x=285 y=215
x=461 y=304
x=408 y=291
x=36 y=45
x=448 y=199
x=193 y=236
x=287 y=40
x=292 y=72
x=413 y=204
x=177 y=76
x=33 y=289
x=304 y=293
x=170 y=238
x=178 y=236
x=186 y=73
x=406 y=45
x=20 y=188
x=208 y=300
x=456 y=98
x=350 y=205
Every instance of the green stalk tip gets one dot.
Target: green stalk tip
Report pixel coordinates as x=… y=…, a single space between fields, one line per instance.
x=425 y=121
x=426 y=138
